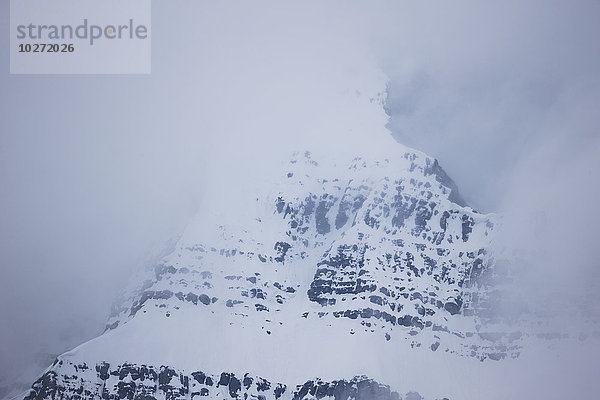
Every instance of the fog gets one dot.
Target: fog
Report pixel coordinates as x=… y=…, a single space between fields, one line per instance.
x=505 y=96
x=485 y=87
x=99 y=174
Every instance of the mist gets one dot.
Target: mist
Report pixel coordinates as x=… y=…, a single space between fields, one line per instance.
x=100 y=174
x=505 y=96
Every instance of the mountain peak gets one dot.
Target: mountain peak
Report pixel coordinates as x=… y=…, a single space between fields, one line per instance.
x=369 y=253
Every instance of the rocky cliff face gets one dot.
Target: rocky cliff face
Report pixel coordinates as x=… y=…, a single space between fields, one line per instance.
x=132 y=381
x=341 y=266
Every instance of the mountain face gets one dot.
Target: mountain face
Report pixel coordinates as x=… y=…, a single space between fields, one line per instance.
x=340 y=279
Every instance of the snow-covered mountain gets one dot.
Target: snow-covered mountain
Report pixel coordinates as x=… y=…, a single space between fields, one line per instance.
x=333 y=281
x=353 y=271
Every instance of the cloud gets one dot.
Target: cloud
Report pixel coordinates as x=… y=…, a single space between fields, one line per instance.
x=477 y=84
x=98 y=173
x=505 y=95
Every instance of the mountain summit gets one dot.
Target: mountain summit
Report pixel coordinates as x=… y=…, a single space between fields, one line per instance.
x=337 y=278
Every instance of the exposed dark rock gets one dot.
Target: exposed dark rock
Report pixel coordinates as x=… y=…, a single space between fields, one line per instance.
x=434 y=168
x=281 y=248
x=204 y=299
x=321 y=220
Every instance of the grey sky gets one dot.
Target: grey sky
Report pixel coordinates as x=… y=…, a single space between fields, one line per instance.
x=97 y=173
